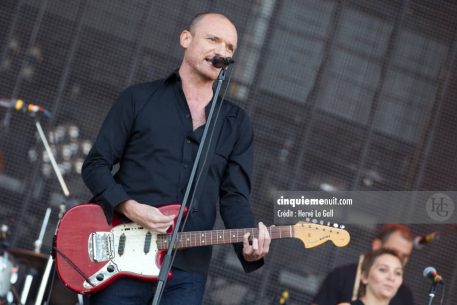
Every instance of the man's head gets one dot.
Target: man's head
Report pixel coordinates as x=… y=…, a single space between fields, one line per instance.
x=397 y=237
x=209 y=34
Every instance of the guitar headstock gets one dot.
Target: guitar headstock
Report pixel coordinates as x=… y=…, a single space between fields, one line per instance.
x=313 y=234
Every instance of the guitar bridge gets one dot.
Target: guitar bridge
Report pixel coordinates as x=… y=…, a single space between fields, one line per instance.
x=101 y=246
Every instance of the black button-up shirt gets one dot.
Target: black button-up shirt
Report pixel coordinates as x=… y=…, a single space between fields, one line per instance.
x=149 y=132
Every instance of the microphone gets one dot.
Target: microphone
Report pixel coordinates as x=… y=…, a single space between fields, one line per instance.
x=420 y=241
x=221 y=62
x=431 y=273
x=20 y=105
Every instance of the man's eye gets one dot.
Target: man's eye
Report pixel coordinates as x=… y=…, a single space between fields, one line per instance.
x=212 y=38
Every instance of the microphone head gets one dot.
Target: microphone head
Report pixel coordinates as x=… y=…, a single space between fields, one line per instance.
x=429 y=271
x=221 y=62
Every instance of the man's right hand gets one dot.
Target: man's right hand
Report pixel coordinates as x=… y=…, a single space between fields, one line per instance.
x=145 y=215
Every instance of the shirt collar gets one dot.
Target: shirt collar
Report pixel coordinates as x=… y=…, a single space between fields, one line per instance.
x=175 y=78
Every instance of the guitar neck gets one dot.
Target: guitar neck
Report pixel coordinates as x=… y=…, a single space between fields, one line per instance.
x=218 y=237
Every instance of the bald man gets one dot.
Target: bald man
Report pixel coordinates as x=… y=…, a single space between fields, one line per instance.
x=153 y=131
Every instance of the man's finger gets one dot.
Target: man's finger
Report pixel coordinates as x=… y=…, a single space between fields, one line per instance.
x=246 y=240
x=266 y=247
x=262 y=235
x=255 y=245
x=159 y=229
x=160 y=218
x=267 y=241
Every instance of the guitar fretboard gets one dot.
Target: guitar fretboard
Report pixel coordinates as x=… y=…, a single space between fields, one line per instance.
x=215 y=237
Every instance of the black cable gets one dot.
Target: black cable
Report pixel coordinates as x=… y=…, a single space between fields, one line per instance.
x=73 y=266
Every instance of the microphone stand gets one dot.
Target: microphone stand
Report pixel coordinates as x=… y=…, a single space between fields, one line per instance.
x=431 y=293
x=64 y=187
x=190 y=192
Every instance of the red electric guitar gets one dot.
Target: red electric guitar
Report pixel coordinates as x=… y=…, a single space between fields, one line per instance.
x=90 y=253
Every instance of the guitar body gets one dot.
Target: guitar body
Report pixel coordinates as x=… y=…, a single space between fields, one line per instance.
x=104 y=252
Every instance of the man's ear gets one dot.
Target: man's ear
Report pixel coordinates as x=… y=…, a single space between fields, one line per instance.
x=185 y=39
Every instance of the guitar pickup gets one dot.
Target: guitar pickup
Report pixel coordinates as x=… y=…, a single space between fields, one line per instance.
x=101 y=246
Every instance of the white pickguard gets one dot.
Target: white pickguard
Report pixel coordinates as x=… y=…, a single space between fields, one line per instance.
x=133 y=259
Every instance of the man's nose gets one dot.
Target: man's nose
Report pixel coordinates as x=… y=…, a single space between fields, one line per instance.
x=221 y=50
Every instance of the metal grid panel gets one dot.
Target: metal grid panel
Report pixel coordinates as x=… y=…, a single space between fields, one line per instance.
x=356 y=94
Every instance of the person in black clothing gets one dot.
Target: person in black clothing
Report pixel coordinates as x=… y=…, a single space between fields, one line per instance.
x=153 y=131
x=341 y=285
x=382 y=275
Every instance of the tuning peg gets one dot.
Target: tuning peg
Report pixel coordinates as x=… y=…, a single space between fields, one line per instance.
x=342 y=226
x=321 y=222
x=307 y=219
x=335 y=225
x=314 y=220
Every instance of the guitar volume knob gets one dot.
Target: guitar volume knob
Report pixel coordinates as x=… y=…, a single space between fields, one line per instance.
x=100 y=277
x=110 y=268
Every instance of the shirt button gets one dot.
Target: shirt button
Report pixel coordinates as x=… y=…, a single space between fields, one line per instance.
x=185 y=165
x=187 y=115
x=188 y=141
